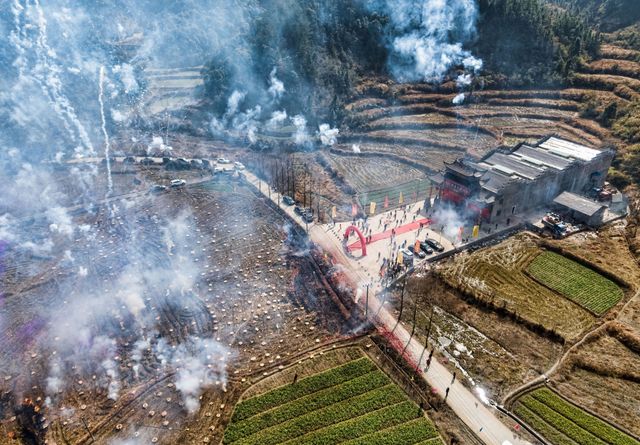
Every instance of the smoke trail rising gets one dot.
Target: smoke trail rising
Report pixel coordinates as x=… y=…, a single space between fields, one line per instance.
x=59 y=101
x=427 y=37
x=107 y=144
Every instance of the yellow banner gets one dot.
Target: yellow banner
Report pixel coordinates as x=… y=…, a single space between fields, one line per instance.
x=400 y=258
x=372 y=208
x=334 y=212
x=476 y=231
x=416 y=247
x=401 y=200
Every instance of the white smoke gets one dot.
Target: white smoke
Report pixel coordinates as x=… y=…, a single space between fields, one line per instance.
x=233 y=103
x=449 y=221
x=277 y=118
x=276 y=86
x=464 y=80
x=243 y=122
x=60 y=221
x=428 y=37
x=328 y=136
x=459 y=99
x=300 y=136
x=157 y=146
x=39 y=69
x=107 y=143
x=127 y=77
x=199 y=364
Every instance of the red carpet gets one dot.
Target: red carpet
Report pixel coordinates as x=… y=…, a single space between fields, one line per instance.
x=399 y=230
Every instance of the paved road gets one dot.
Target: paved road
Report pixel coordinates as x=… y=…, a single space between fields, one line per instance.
x=467 y=406
x=478 y=416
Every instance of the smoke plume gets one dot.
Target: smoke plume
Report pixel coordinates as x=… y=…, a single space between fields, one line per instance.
x=427 y=37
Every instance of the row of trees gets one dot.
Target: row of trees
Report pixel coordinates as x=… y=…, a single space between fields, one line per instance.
x=290 y=176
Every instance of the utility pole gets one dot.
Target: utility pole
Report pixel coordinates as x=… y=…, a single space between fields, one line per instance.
x=404 y=286
x=366 y=304
x=404 y=282
x=429 y=328
x=413 y=327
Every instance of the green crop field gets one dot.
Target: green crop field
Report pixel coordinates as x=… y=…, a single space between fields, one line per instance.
x=415 y=190
x=563 y=423
x=576 y=282
x=355 y=403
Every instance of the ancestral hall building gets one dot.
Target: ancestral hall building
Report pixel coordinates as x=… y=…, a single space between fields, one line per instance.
x=509 y=181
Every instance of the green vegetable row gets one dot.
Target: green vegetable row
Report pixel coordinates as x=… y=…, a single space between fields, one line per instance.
x=560 y=422
x=578 y=283
x=585 y=420
x=407 y=434
x=305 y=386
x=542 y=427
x=339 y=412
x=360 y=426
x=304 y=405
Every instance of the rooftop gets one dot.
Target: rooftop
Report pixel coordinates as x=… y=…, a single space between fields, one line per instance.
x=569 y=150
x=578 y=203
x=494 y=181
x=510 y=164
x=541 y=157
x=458 y=166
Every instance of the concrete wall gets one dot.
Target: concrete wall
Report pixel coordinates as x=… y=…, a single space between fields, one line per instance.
x=528 y=195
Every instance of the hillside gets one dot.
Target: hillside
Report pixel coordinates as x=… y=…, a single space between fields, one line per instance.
x=609 y=15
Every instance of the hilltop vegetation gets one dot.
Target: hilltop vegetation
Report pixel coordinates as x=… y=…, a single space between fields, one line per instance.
x=323 y=49
x=609 y=15
x=530 y=43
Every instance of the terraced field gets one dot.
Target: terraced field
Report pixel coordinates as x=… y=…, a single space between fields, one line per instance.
x=427 y=123
x=171 y=89
x=354 y=403
x=415 y=120
x=373 y=173
x=576 y=282
x=497 y=275
x=563 y=423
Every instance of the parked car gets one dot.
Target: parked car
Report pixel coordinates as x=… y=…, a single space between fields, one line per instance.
x=307 y=217
x=177 y=164
x=157 y=188
x=146 y=161
x=419 y=253
x=407 y=256
x=223 y=161
x=425 y=248
x=288 y=200
x=178 y=182
x=129 y=160
x=298 y=210
x=435 y=245
x=238 y=165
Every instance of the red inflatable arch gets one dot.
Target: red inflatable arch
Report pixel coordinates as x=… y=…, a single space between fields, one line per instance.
x=363 y=243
